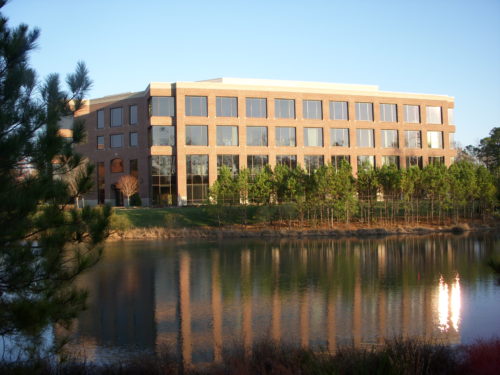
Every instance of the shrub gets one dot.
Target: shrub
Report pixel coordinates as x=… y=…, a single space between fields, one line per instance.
x=135 y=200
x=120 y=222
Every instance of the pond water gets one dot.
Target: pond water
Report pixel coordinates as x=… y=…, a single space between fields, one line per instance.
x=199 y=297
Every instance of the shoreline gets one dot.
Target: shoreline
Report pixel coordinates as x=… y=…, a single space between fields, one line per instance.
x=343 y=231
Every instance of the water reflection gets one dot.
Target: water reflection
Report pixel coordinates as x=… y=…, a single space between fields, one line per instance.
x=200 y=297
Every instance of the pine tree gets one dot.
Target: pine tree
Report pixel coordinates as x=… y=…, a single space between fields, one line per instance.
x=44 y=245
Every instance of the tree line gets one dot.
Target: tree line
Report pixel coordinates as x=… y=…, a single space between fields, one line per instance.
x=330 y=195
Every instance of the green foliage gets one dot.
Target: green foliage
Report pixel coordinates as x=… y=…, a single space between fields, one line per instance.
x=135 y=200
x=44 y=245
x=119 y=223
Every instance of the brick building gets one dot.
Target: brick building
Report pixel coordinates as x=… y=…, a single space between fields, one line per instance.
x=174 y=136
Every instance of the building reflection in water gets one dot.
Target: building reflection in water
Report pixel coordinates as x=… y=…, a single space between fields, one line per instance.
x=203 y=299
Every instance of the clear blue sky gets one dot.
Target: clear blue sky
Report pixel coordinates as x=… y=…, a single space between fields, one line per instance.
x=447 y=47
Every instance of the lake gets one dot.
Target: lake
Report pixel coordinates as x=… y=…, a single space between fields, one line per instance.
x=199 y=297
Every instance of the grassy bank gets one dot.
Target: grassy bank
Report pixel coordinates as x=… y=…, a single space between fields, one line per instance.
x=395 y=357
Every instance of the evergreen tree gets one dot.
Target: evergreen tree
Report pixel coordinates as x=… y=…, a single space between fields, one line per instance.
x=44 y=245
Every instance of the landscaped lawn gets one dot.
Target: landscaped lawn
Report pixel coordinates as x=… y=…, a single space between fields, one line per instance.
x=156 y=217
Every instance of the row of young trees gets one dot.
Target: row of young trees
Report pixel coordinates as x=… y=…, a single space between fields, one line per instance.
x=330 y=195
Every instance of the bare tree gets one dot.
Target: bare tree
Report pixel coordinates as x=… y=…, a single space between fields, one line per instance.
x=128 y=186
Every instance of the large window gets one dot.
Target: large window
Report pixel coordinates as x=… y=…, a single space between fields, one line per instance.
x=163 y=135
x=116 y=140
x=116 y=165
x=256 y=135
x=388 y=113
x=436 y=159
x=163 y=180
x=364 y=111
x=162 y=106
x=132 y=115
x=338 y=111
x=434 y=139
x=389 y=138
x=365 y=138
x=197 y=178
x=338 y=159
x=414 y=161
x=451 y=116
x=196 y=106
x=433 y=115
x=230 y=161
x=226 y=106
x=285 y=136
x=312 y=109
x=100 y=119
x=451 y=139
x=256 y=107
x=100 y=142
x=390 y=160
x=313 y=162
x=284 y=108
x=313 y=137
x=412 y=114
x=366 y=161
x=289 y=160
x=339 y=137
x=116 y=116
x=133 y=139
x=255 y=163
x=413 y=139
x=227 y=135
x=134 y=168
x=196 y=135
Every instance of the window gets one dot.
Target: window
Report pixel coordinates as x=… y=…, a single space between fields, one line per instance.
x=256 y=107
x=100 y=142
x=227 y=135
x=100 y=119
x=388 y=113
x=412 y=114
x=226 y=106
x=389 y=138
x=162 y=106
x=134 y=168
x=433 y=115
x=117 y=165
x=284 y=108
x=132 y=115
x=339 y=137
x=196 y=106
x=364 y=137
x=289 y=160
x=312 y=109
x=196 y=178
x=338 y=159
x=101 y=182
x=435 y=139
x=133 y=139
x=285 y=136
x=390 y=160
x=451 y=116
x=338 y=111
x=116 y=117
x=414 y=161
x=313 y=137
x=451 y=139
x=436 y=159
x=413 y=139
x=255 y=163
x=196 y=135
x=364 y=111
x=230 y=161
x=163 y=135
x=313 y=162
x=116 y=140
x=256 y=135
x=163 y=180
x=366 y=161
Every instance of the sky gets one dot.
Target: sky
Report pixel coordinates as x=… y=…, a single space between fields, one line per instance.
x=449 y=47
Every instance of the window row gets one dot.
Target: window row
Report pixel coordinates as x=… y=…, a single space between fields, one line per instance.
x=227 y=135
x=117 y=140
x=116 y=116
x=285 y=109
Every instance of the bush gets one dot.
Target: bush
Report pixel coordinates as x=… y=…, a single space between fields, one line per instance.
x=135 y=200
x=119 y=222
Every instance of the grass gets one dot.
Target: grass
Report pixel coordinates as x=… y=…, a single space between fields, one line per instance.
x=155 y=217
x=408 y=356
